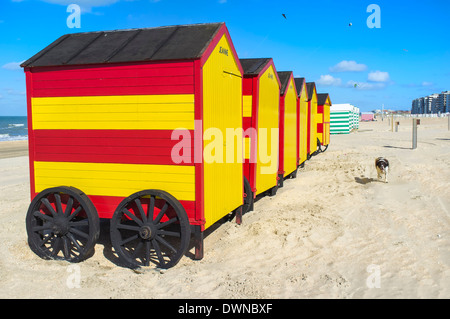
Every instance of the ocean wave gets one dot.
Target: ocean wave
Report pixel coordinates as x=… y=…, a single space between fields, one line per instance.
x=16 y=125
x=7 y=137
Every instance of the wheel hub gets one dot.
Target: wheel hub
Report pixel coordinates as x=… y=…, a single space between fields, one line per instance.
x=146 y=232
x=61 y=226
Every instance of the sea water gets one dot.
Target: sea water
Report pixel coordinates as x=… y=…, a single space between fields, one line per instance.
x=13 y=128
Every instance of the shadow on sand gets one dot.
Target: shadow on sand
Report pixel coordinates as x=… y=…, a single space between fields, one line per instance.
x=364 y=180
x=399 y=147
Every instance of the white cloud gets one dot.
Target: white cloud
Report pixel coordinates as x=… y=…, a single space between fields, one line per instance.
x=378 y=76
x=348 y=66
x=12 y=66
x=329 y=80
x=425 y=83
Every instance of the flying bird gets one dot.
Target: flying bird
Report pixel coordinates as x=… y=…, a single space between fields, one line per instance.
x=350 y=24
x=284 y=15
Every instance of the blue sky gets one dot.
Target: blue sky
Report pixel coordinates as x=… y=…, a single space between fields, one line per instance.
x=407 y=57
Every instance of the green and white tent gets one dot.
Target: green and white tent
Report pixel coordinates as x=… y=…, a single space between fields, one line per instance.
x=343 y=118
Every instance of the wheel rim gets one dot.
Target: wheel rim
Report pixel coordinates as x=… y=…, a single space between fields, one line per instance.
x=150 y=228
x=62 y=224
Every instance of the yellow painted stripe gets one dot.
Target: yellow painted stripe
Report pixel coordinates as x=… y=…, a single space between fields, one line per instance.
x=247 y=105
x=247 y=147
x=134 y=112
x=104 y=179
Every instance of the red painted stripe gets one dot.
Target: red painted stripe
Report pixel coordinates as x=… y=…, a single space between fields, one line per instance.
x=124 y=79
x=152 y=69
x=198 y=153
x=246 y=123
x=320 y=109
x=319 y=127
x=31 y=139
x=281 y=137
x=110 y=146
x=107 y=91
x=247 y=85
x=115 y=82
x=308 y=138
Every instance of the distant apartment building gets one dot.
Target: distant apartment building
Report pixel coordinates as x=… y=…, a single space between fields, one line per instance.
x=443 y=102
x=432 y=104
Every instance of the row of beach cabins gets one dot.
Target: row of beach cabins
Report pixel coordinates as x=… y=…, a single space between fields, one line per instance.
x=103 y=110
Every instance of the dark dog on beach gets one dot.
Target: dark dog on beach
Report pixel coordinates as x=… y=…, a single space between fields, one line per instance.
x=382 y=166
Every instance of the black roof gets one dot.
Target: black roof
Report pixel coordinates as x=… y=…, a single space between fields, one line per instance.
x=299 y=85
x=322 y=98
x=284 y=80
x=133 y=45
x=310 y=86
x=254 y=66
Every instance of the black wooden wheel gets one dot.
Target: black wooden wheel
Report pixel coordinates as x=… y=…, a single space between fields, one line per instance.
x=62 y=223
x=150 y=227
x=248 y=196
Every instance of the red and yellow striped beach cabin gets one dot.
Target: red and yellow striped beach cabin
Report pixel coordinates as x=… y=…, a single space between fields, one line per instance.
x=113 y=116
x=288 y=162
x=323 y=110
x=261 y=100
x=302 y=120
x=312 y=118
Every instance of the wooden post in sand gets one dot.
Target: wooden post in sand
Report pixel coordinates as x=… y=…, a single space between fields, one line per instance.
x=392 y=122
x=414 y=134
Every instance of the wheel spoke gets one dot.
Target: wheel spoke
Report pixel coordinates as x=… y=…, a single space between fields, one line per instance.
x=75 y=213
x=58 y=204
x=167 y=223
x=128 y=227
x=75 y=242
x=49 y=206
x=141 y=210
x=137 y=249
x=66 y=247
x=84 y=222
x=158 y=252
x=48 y=226
x=123 y=242
x=56 y=245
x=45 y=240
x=165 y=243
x=68 y=207
x=132 y=216
x=168 y=233
x=148 y=248
x=43 y=216
x=161 y=213
x=151 y=207
x=79 y=233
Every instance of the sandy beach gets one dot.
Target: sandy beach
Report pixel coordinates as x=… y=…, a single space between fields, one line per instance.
x=333 y=232
x=13 y=149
